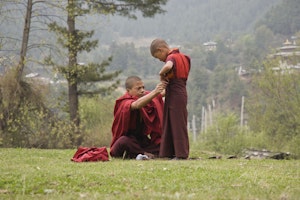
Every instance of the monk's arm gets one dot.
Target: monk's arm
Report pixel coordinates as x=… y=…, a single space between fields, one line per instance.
x=144 y=100
x=166 y=68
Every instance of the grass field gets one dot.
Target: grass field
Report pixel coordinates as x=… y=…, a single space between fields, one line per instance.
x=49 y=174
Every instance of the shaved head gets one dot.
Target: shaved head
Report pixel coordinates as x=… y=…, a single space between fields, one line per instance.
x=156 y=44
x=131 y=80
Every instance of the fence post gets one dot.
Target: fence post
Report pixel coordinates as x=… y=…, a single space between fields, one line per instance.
x=194 y=127
x=203 y=119
x=242 y=111
x=210 y=114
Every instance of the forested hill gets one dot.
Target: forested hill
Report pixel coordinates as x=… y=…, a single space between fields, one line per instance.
x=252 y=26
x=191 y=21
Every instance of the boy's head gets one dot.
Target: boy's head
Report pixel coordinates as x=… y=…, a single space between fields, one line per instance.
x=135 y=86
x=159 y=49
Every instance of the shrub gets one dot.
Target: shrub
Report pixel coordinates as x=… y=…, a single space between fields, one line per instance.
x=97 y=116
x=226 y=136
x=25 y=119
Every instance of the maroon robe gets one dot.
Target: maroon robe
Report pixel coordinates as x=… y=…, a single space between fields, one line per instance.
x=90 y=154
x=136 y=131
x=175 y=141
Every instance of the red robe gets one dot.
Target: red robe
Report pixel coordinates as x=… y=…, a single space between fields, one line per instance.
x=125 y=119
x=175 y=141
x=90 y=154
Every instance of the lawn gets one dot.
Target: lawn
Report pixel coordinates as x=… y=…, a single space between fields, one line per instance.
x=50 y=174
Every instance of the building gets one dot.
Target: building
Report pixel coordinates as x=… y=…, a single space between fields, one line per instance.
x=286 y=54
x=210 y=46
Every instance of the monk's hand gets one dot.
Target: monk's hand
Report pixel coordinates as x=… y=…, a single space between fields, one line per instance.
x=160 y=86
x=164 y=84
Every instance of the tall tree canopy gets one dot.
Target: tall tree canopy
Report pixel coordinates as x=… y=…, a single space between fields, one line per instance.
x=283 y=19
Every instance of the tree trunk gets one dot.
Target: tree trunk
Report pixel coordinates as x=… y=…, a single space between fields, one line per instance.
x=25 y=40
x=72 y=77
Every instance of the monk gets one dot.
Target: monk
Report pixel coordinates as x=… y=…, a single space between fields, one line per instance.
x=175 y=140
x=137 y=125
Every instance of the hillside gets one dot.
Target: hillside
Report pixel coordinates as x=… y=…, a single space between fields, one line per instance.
x=187 y=21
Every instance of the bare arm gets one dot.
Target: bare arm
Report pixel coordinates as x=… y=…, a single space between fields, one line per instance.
x=144 y=100
x=165 y=69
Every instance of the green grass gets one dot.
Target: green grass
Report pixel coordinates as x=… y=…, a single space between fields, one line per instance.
x=49 y=174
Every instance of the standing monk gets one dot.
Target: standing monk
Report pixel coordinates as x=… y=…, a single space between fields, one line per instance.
x=175 y=140
x=137 y=125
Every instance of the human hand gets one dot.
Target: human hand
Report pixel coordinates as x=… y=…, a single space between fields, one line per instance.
x=160 y=87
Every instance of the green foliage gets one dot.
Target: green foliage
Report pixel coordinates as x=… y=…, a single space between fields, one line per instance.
x=91 y=76
x=77 y=41
x=225 y=136
x=97 y=115
x=197 y=85
x=211 y=60
x=207 y=19
x=19 y=101
x=133 y=60
x=25 y=118
x=274 y=108
x=26 y=122
x=264 y=39
x=283 y=19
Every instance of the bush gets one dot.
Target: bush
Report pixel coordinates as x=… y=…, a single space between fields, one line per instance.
x=226 y=136
x=273 y=108
x=25 y=119
x=97 y=117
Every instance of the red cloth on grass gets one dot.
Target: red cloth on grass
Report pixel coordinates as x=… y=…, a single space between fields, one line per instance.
x=90 y=154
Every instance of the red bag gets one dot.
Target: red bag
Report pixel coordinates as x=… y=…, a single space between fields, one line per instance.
x=90 y=154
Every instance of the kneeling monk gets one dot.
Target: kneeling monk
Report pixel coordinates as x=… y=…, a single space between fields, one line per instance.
x=137 y=125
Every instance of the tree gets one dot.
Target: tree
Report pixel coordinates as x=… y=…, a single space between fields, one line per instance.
x=25 y=39
x=284 y=18
x=273 y=106
x=24 y=113
x=29 y=43
x=75 y=42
